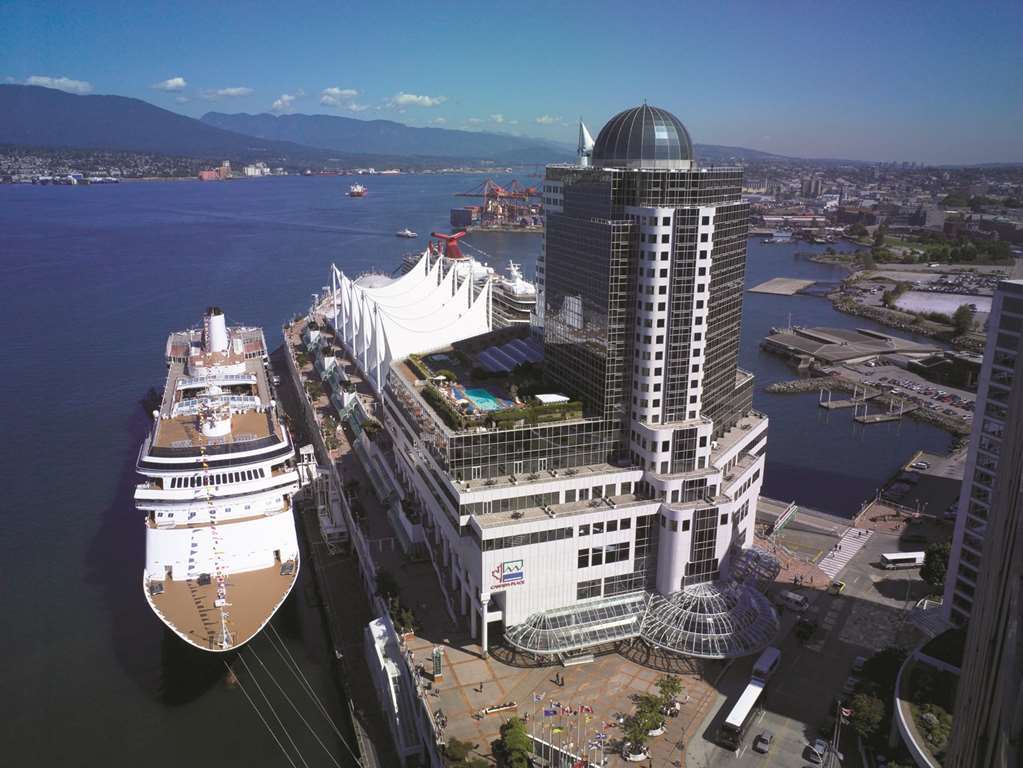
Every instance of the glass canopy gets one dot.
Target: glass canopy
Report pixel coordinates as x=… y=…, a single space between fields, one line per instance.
x=714 y=620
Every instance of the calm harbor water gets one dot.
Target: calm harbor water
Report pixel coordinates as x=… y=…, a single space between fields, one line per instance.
x=94 y=279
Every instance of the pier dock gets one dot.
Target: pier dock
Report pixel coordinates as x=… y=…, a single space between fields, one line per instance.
x=860 y=395
x=897 y=408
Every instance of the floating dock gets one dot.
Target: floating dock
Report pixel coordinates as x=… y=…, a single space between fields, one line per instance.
x=897 y=408
x=859 y=397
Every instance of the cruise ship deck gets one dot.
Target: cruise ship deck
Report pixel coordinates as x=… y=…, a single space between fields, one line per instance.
x=188 y=607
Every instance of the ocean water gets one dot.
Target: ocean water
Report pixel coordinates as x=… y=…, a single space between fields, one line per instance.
x=93 y=280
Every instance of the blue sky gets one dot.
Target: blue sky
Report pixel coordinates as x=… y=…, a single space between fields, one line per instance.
x=920 y=81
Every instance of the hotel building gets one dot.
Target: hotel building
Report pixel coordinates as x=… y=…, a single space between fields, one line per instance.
x=622 y=504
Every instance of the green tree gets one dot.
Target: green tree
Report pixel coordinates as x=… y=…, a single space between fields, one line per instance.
x=962 y=319
x=669 y=686
x=936 y=564
x=879 y=235
x=371 y=426
x=868 y=713
x=635 y=729
x=457 y=750
x=881 y=669
x=857 y=230
x=514 y=746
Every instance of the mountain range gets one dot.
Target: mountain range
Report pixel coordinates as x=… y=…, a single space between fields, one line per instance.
x=35 y=116
x=388 y=137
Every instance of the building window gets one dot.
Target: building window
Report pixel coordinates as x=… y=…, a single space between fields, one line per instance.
x=724 y=519
x=685 y=526
x=625 y=523
x=703 y=237
x=584 y=529
x=570 y=496
x=584 y=558
x=596 y=555
x=587 y=589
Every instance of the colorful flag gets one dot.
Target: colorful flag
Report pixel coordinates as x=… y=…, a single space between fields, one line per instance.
x=588 y=718
x=586 y=708
x=538 y=697
x=846 y=712
x=557 y=729
x=550 y=712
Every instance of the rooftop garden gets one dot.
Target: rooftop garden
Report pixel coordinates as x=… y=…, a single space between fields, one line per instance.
x=516 y=387
x=931 y=695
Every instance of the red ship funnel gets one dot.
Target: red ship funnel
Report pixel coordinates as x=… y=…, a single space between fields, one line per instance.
x=451 y=249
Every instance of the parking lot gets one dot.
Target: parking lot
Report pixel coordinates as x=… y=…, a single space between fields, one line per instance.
x=916 y=389
x=869 y=615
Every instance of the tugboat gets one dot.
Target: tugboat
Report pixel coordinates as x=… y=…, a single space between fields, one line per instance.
x=408 y=233
x=356 y=190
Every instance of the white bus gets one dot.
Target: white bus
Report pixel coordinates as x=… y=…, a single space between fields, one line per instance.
x=766 y=664
x=894 y=560
x=750 y=703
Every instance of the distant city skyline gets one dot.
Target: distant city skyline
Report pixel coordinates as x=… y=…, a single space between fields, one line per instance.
x=868 y=81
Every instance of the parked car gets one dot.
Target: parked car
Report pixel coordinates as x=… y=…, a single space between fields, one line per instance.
x=762 y=743
x=837 y=587
x=817 y=751
x=858 y=662
x=850 y=684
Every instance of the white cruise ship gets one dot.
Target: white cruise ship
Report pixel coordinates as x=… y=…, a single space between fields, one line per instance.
x=220 y=475
x=514 y=298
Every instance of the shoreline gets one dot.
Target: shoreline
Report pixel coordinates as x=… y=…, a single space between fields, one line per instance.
x=955 y=427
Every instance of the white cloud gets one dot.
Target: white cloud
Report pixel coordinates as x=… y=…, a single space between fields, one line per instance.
x=285 y=102
x=439 y=121
x=170 y=85
x=403 y=99
x=548 y=120
x=498 y=118
x=225 y=93
x=341 y=98
x=61 y=84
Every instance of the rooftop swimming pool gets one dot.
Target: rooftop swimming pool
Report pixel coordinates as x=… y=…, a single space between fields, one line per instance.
x=484 y=399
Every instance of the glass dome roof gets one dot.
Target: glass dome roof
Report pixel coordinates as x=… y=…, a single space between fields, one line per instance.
x=643 y=137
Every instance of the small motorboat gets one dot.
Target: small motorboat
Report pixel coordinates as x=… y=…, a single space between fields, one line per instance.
x=406 y=233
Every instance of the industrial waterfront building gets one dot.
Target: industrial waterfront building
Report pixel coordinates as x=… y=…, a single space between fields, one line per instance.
x=984 y=587
x=619 y=502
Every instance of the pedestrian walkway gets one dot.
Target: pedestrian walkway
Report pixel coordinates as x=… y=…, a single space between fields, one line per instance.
x=852 y=541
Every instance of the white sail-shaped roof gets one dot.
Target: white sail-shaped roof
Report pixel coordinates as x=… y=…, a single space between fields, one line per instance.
x=424 y=309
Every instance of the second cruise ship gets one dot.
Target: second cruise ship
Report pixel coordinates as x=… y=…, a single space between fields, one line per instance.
x=219 y=478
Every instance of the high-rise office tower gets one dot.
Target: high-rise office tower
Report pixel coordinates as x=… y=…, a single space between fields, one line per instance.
x=984 y=587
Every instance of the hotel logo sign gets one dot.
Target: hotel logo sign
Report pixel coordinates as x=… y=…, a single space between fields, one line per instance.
x=507 y=574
